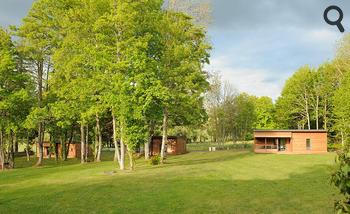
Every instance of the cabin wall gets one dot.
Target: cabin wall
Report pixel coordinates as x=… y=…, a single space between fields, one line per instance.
x=156 y=146
x=73 y=150
x=174 y=146
x=296 y=144
x=318 y=142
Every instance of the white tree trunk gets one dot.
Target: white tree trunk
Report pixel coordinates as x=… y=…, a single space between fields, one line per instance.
x=325 y=117
x=87 y=144
x=98 y=129
x=27 y=148
x=2 y=155
x=40 y=70
x=115 y=140
x=165 y=134
x=307 y=111
x=122 y=150
x=317 y=103
x=82 y=142
x=131 y=159
x=149 y=140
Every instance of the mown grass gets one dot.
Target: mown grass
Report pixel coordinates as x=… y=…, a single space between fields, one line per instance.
x=199 y=182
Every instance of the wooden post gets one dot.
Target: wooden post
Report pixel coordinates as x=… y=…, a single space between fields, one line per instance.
x=265 y=144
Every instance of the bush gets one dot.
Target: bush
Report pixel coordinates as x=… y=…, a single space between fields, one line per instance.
x=341 y=179
x=155 y=160
x=333 y=147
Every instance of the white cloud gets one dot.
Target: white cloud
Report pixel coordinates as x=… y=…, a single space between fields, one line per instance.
x=249 y=80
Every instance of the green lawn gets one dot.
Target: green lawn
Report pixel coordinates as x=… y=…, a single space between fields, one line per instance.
x=198 y=182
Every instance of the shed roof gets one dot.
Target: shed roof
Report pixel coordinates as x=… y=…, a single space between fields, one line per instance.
x=291 y=130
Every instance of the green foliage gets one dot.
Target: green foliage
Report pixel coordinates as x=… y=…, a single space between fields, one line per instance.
x=15 y=86
x=265 y=111
x=334 y=147
x=246 y=117
x=293 y=107
x=341 y=179
x=155 y=160
x=341 y=108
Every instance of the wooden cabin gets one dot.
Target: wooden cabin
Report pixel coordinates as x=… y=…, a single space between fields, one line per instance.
x=290 y=141
x=49 y=150
x=174 y=146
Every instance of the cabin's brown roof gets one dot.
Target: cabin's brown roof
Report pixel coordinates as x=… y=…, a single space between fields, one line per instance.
x=290 y=130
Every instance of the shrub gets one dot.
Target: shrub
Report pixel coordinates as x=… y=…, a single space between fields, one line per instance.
x=341 y=179
x=155 y=160
x=333 y=147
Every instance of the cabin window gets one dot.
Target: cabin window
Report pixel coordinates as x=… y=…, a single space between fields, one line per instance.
x=308 y=144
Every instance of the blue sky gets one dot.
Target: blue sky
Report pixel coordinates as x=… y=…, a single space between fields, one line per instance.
x=257 y=44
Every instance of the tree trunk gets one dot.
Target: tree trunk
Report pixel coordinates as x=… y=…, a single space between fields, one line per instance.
x=149 y=140
x=317 y=103
x=16 y=145
x=63 y=150
x=50 y=150
x=115 y=141
x=307 y=112
x=82 y=142
x=96 y=144
x=146 y=149
x=41 y=125
x=87 y=144
x=56 y=151
x=40 y=146
x=131 y=159
x=11 y=151
x=325 y=117
x=98 y=129
x=27 y=148
x=122 y=150
x=165 y=134
x=2 y=154
x=70 y=141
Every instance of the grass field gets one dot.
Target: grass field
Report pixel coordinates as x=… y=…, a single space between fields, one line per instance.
x=198 y=182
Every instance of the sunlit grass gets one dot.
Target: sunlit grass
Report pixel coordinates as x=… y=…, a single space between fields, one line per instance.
x=199 y=182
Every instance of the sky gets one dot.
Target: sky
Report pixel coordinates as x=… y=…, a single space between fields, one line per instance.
x=257 y=45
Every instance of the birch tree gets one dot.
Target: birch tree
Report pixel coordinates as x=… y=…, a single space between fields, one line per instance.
x=294 y=106
x=183 y=53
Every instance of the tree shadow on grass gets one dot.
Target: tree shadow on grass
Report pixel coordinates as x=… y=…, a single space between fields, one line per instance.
x=307 y=192
x=203 y=159
x=21 y=162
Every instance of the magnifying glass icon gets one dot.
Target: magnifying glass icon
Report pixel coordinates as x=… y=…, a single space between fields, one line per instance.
x=336 y=22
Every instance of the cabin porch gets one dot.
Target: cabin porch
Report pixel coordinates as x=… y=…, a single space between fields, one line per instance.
x=272 y=145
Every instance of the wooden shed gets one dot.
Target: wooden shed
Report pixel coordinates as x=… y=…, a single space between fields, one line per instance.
x=290 y=141
x=174 y=146
x=49 y=150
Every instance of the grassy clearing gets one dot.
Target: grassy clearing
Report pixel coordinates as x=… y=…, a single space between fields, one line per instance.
x=200 y=182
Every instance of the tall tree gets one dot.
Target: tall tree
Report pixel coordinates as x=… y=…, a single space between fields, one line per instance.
x=341 y=109
x=38 y=36
x=15 y=97
x=183 y=53
x=293 y=107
